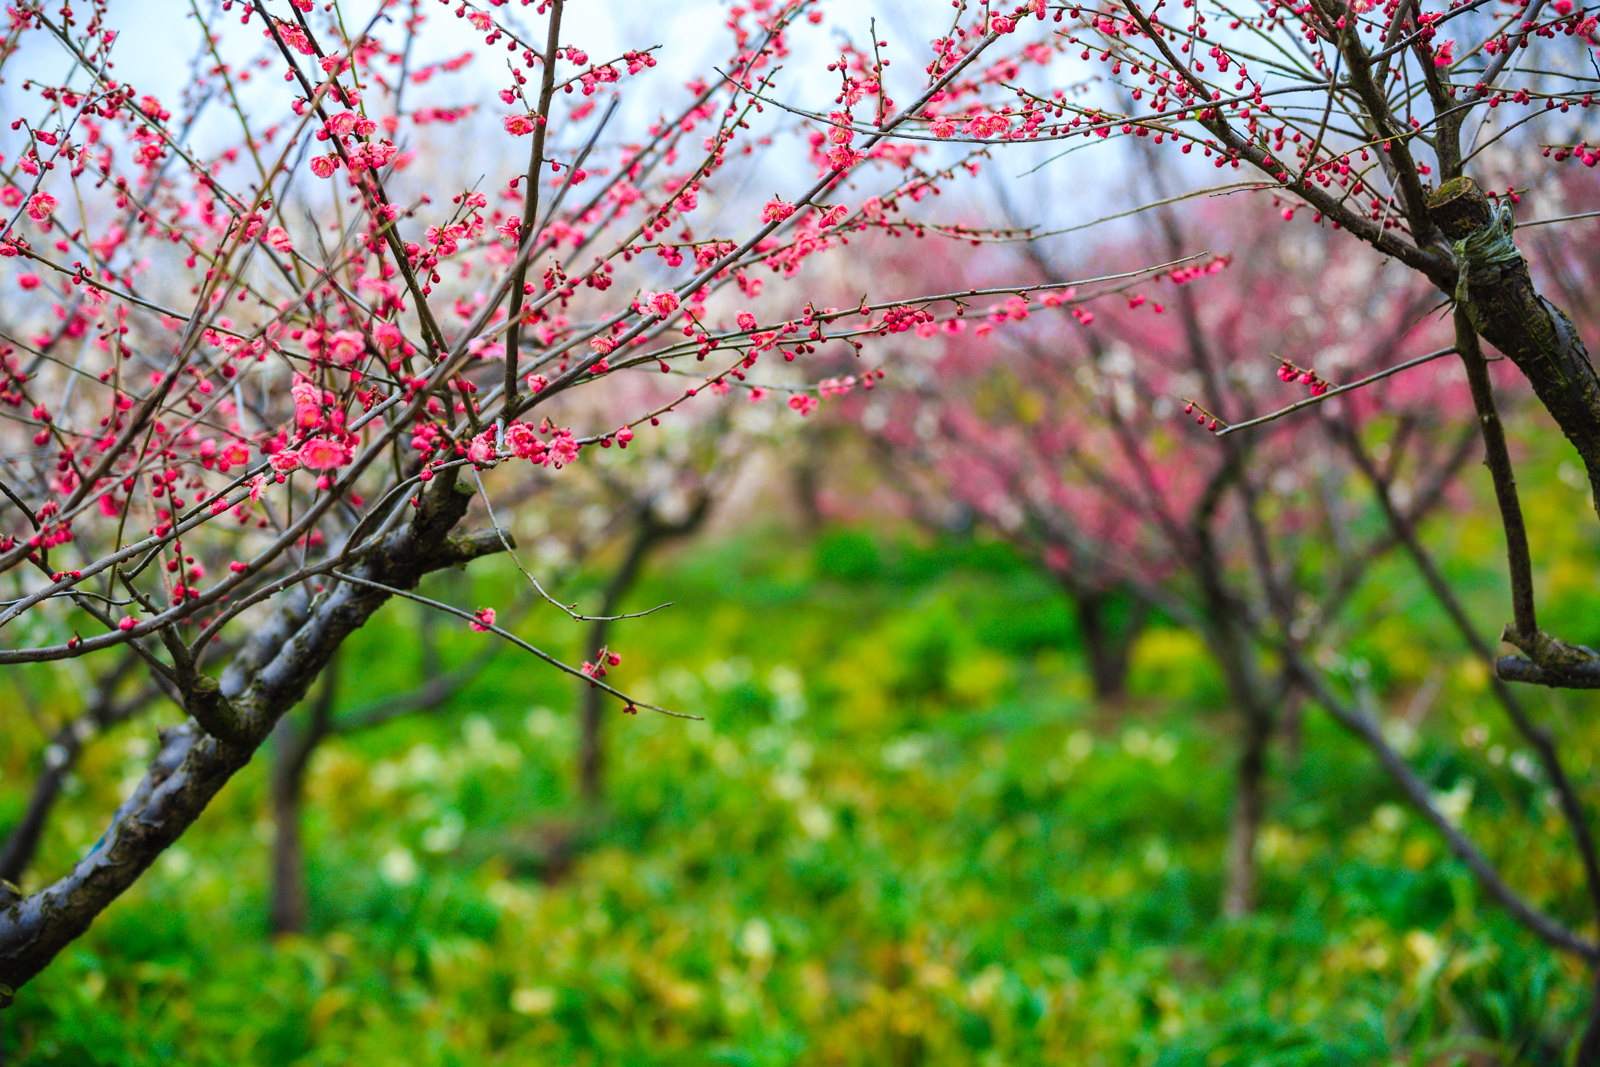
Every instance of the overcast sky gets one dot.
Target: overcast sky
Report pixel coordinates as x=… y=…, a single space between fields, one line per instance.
x=159 y=38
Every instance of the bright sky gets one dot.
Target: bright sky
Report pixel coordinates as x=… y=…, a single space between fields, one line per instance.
x=159 y=39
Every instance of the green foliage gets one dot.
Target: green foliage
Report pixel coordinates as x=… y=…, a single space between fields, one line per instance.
x=901 y=836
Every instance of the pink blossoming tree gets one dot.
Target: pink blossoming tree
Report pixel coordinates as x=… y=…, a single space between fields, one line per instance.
x=272 y=370
x=1066 y=431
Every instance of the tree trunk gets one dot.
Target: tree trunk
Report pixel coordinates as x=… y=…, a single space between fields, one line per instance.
x=264 y=679
x=591 y=742
x=1249 y=804
x=292 y=749
x=1292 y=727
x=17 y=854
x=61 y=755
x=649 y=531
x=1228 y=644
x=807 y=475
x=288 y=856
x=1107 y=645
x=1589 y=1045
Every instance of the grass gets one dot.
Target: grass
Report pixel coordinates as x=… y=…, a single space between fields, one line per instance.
x=902 y=834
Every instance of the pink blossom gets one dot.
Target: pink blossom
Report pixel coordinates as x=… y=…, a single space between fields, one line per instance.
x=562 y=449
x=387 y=334
x=842 y=158
x=323 y=454
x=662 y=304
x=233 y=454
x=294 y=37
x=483 y=619
x=307 y=403
x=776 y=210
x=839 y=131
x=345 y=347
x=379 y=153
x=41 y=206
x=519 y=125
x=525 y=443
x=805 y=405
x=29 y=281
x=481 y=448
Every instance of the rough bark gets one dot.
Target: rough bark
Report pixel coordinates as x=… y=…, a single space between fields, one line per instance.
x=1509 y=313
x=268 y=677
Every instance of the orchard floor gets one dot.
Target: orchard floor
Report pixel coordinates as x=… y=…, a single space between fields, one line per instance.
x=903 y=834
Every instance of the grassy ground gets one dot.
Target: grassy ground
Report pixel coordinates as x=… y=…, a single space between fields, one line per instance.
x=902 y=835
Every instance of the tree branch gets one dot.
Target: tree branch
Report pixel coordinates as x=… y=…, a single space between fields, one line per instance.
x=1416 y=791
x=270 y=675
x=1503 y=306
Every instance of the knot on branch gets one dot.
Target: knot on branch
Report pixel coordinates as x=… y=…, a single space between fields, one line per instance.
x=203 y=700
x=1498 y=296
x=1489 y=246
x=1549 y=661
x=1479 y=232
x=461 y=550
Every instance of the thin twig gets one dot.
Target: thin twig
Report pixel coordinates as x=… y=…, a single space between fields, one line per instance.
x=507 y=635
x=1335 y=391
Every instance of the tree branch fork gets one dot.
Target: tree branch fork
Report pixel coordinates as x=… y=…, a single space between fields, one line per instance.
x=231 y=717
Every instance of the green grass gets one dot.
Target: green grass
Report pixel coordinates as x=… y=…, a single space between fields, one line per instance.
x=901 y=835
